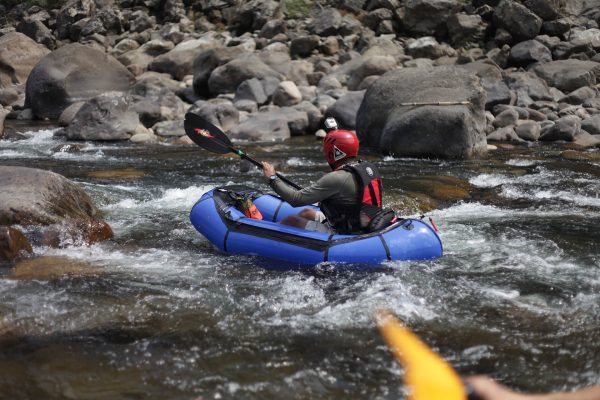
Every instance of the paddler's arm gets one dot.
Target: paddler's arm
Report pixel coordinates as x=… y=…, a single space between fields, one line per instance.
x=488 y=389
x=319 y=191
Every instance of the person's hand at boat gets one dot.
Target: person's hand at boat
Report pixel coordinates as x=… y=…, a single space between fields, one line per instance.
x=268 y=170
x=487 y=389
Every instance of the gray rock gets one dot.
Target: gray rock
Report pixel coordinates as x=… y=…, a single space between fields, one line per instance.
x=425 y=17
x=374 y=18
x=517 y=19
x=504 y=134
x=591 y=125
x=104 y=117
x=70 y=13
x=545 y=9
x=569 y=75
x=303 y=46
x=466 y=30
x=440 y=131
x=18 y=55
x=169 y=128
x=9 y=96
x=226 y=78
x=535 y=115
x=507 y=117
x=345 y=109
x=219 y=112
x=179 y=62
x=566 y=129
x=297 y=120
x=70 y=74
x=251 y=89
x=529 y=52
x=579 y=96
x=206 y=62
x=264 y=126
x=314 y=115
x=272 y=28
x=67 y=116
x=249 y=106
x=35 y=199
x=157 y=105
x=491 y=79
x=37 y=31
x=558 y=27
x=428 y=47
x=252 y=15
x=326 y=23
x=528 y=84
x=370 y=66
x=528 y=130
x=298 y=71
x=287 y=94
x=142 y=56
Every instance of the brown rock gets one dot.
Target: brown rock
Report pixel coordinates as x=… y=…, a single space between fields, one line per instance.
x=51 y=268
x=127 y=173
x=13 y=244
x=55 y=209
x=576 y=155
x=18 y=55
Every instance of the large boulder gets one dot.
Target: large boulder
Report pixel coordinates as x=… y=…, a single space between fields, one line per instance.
x=385 y=122
x=569 y=75
x=517 y=19
x=208 y=60
x=226 y=78
x=179 y=62
x=263 y=126
x=345 y=109
x=108 y=116
x=70 y=74
x=18 y=55
x=427 y=17
x=49 y=207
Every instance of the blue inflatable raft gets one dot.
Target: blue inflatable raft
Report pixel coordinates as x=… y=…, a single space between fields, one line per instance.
x=216 y=217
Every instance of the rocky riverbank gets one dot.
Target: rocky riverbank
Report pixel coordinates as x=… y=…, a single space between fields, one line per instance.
x=263 y=70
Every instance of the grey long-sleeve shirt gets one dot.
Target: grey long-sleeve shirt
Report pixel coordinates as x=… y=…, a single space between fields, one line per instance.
x=339 y=187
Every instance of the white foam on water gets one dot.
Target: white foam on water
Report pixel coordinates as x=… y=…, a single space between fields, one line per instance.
x=175 y=198
x=519 y=162
x=300 y=162
x=16 y=154
x=490 y=180
x=301 y=304
x=82 y=156
x=580 y=200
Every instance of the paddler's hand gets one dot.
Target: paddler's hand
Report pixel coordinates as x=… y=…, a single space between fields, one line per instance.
x=268 y=169
x=485 y=388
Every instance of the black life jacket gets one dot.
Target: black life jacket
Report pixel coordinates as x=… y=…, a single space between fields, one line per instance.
x=346 y=219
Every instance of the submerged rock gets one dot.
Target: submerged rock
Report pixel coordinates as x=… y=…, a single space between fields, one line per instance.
x=49 y=267
x=13 y=244
x=54 y=210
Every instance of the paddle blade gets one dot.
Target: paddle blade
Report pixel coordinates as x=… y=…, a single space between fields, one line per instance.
x=428 y=376
x=206 y=135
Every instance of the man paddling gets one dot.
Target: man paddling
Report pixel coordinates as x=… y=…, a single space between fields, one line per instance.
x=349 y=197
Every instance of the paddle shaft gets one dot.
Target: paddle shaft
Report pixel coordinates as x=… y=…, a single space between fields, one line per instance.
x=244 y=156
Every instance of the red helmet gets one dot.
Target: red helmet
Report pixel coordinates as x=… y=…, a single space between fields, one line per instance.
x=338 y=146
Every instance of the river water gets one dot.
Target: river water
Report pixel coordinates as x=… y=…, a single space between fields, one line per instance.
x=162 y=315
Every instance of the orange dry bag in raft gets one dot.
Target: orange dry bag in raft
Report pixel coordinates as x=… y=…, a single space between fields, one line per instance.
x=249 y=209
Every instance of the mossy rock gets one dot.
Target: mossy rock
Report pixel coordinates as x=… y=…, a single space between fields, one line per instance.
x=442 y=188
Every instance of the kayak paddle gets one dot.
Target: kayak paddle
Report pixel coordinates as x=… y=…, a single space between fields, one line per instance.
x=211 y=138
x=428 y=375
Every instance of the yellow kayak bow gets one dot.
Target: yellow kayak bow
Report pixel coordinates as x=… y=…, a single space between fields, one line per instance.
x=427 y=375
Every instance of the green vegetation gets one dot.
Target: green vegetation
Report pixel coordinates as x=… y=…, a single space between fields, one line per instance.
x=297 y=8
